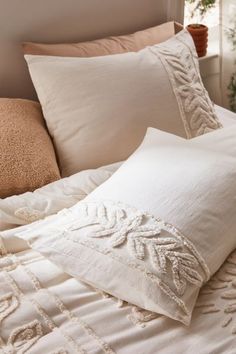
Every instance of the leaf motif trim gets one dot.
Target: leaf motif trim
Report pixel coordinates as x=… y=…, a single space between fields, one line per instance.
x=8 y=304
x=195 y=106
x=145 y=239
x=22 y=338
x=3 y=251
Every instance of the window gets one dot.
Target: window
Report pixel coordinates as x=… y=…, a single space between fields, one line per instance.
x=206 y=12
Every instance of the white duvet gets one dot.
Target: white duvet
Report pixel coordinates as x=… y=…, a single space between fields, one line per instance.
x=43 y=310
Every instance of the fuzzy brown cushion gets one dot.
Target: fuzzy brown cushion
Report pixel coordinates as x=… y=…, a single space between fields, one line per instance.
x=27 y=157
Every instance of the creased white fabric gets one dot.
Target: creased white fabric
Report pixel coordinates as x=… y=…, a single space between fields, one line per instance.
x=28 y=207
x=98 y=109
x=149 y=235
x=125 y=329
x=98 y=324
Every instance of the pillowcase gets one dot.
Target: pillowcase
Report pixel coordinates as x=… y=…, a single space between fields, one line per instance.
x=27 y=157
x=155 y=231
x=30 y=206
x=98 y=109
x=111 y=45
x=45 y=201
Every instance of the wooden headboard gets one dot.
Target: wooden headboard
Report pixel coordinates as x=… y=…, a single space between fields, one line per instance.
x=55 y=21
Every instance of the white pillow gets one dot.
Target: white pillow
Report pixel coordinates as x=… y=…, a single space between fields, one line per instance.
x=225 y=116
x=98 y=109
x=155 y=231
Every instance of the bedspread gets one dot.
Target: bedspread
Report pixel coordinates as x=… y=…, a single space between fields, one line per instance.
x=45 y=311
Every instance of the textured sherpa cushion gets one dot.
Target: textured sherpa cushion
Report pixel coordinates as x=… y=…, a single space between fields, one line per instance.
x=27 y=157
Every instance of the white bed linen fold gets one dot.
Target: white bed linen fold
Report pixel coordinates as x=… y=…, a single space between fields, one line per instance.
x=45 y=311
x=68 y=316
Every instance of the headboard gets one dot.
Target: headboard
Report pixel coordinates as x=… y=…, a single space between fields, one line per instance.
x=59 y=21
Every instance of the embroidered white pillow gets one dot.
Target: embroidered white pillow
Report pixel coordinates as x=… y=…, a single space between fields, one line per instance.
x=98 y=109
x=155 y=231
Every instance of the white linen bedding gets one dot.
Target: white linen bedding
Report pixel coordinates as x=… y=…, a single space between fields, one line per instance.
x=28 y=207
x=43 y=310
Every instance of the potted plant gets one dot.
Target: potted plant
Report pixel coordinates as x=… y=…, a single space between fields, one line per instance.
x=198 y=31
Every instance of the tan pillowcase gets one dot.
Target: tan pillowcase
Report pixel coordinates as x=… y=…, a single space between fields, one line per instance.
x=111 y=45
x=27 y=157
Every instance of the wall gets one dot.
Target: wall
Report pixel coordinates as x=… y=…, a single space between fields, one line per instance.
x=68 y=21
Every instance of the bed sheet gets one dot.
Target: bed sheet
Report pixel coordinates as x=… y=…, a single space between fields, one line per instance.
x=43 y=310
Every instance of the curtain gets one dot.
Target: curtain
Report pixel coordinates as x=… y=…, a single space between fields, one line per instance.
x=175 y=10
x=228 y=53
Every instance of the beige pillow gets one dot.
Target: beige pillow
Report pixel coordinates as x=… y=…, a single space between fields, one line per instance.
x=98 y=109
x=27 y=157
x=111 y=45
x=155 y=231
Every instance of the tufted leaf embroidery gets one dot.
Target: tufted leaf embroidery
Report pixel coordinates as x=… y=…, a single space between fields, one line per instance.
x=231 y=308
x=8 y=304
x=22 y=338
x=218 y=296
x=3 y=251
x=59 y=351
x=140 y=316
x=232 y=259
x=144 y=237
x=229 y=295
x=29 y=215
x=7 y=263
x=193 y=100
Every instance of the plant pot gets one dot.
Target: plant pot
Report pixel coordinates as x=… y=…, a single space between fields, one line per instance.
x=199 y=34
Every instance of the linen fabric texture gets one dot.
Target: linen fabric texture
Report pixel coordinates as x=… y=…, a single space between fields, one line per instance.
x=98 y=109
x=155 y=231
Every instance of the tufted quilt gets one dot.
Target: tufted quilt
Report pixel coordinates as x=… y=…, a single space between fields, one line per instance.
x=45 y=311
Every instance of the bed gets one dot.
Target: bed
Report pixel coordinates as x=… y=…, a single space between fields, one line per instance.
x=54 y=313
x=43 y=309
